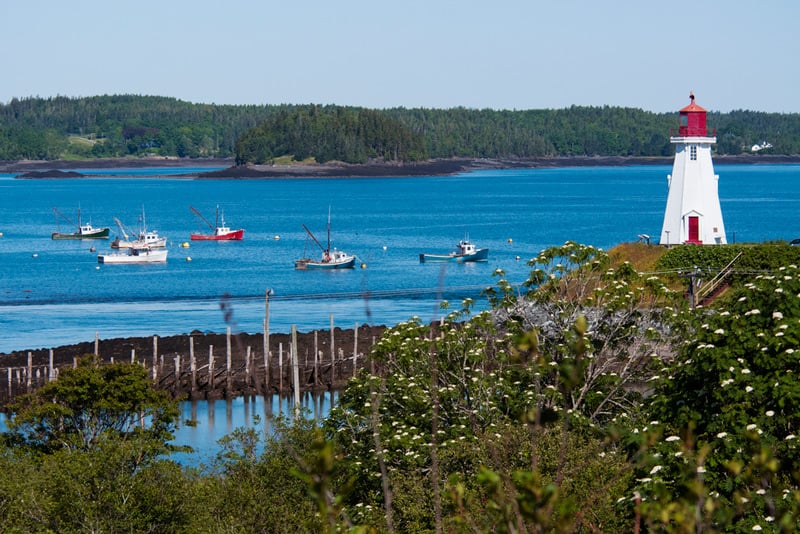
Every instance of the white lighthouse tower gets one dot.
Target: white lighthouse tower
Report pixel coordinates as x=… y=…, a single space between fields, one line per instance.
x=693 y=214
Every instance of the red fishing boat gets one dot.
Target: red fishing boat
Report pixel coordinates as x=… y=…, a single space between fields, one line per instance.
x=219 y=232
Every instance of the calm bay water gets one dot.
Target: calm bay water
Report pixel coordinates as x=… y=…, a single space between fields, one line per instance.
x=217 y=419
x=54 y=292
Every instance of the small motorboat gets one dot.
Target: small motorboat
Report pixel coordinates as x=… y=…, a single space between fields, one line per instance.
x=135 y=255
x=465 y=252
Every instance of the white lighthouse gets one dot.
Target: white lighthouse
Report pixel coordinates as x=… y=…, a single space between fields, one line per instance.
x=693 y=214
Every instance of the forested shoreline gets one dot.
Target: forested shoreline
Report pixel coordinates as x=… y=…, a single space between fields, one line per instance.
x=120 y=126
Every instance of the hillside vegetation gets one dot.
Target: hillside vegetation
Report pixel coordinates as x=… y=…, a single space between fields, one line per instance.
x=134 y=126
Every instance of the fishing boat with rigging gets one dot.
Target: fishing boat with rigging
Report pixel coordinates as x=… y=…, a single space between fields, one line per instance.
x=144 y=237
x=331 y=258
x=219 y=232
x=84 y=231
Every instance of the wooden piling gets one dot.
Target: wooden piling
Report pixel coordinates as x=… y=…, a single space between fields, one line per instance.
x=228 y=356
x=316 y=362
x=355 y=348
x=266 y=341
x=211 y=368
x=192 y=365
x=280 y=368
x=295 y=373
x=177 y=373
x=266 y=356
x=247 y=367
x=333 y=355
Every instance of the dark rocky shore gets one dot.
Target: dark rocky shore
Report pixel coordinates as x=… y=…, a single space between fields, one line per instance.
x=435 y=167
x=120 y=348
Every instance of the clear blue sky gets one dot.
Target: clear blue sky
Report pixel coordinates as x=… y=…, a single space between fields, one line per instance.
x=500 y=54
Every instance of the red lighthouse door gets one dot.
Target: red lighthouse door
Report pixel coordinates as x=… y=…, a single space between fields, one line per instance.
x=694 y=230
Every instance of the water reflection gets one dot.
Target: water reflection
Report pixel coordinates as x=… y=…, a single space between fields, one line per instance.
x=216 y=419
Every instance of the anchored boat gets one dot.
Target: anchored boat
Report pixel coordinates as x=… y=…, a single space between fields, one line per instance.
x=219 y=232
x=135 y=255
x=331 y=259
x=144 y=237
x=84 y=231
x=465 y=252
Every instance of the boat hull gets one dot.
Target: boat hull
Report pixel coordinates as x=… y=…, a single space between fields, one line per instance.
x=235 y=235
x=482 y=254
x=134 y=256
x=100 y=233
x=309 y=265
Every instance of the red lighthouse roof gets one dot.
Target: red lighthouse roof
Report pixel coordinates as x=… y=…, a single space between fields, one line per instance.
x=692 y=120
x=692 y=108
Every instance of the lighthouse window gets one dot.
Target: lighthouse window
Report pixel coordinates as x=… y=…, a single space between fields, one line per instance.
x=693 y=152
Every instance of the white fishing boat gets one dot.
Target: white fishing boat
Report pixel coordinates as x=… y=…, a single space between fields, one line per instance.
x=331 y=258
x=135 y=255
x=144 y=237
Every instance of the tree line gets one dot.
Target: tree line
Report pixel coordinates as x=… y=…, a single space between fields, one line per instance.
x=135 y=126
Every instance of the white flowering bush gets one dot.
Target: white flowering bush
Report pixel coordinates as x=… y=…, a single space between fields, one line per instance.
x=734 y=399
x=498 y=411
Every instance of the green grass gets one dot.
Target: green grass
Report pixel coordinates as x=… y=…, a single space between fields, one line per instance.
x=83 y=141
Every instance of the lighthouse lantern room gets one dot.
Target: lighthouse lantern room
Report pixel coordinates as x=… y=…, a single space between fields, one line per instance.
x=693 y=214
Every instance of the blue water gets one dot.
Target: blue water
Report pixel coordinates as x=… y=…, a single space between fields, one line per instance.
x=215 y=419
x=218 y=418
x=54 y=292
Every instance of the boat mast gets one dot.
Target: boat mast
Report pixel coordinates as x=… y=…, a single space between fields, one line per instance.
x=328 y=250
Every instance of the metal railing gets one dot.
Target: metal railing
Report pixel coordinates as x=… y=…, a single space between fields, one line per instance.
x=710 y=132
x=706 y=289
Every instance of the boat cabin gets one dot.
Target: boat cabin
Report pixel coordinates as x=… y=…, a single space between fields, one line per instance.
x=465 y=247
